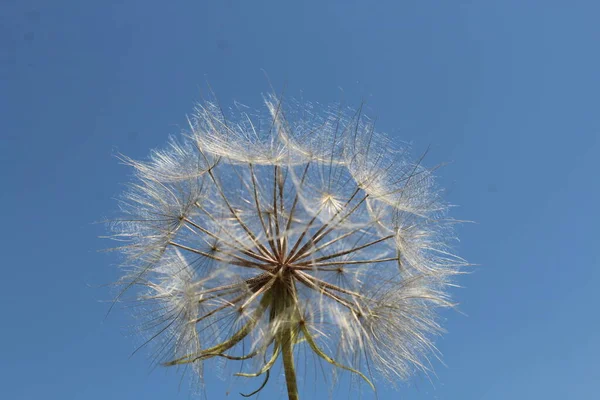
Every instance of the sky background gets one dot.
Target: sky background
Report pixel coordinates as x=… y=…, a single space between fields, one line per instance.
x=507 y=92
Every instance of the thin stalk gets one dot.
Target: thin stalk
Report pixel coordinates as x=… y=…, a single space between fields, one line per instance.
x=317 y=266
x=304 y=232
x=318 y=236
x=242 y=263
x=260 y=211
x=287 y=350
x=292 y=210
x=251 y=235
x=276 y=214
x=225 y=230
x=308 y=283
x=349 y=251
x=325 y=245
x=240 y=249
x=328 y=285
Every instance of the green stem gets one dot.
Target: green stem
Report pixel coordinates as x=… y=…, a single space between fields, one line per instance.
x=287 y=349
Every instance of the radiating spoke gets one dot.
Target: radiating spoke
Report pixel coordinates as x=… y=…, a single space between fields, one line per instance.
x=275 y=212
x=242 y=262
x=328 y=285
x=251 y=235
x=230 y=303
x=266 y=254
x=260 y=211
x=317 y=266
x=319 y=235
x=346 y=252
x=307 y=282
x=304 y=232
x=288 y=224
x=242 y=250
x=332 y=241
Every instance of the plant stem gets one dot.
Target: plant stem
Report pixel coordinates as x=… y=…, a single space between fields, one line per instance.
x=287 y=347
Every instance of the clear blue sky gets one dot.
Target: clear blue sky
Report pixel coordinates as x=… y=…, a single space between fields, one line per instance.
x=506 y=91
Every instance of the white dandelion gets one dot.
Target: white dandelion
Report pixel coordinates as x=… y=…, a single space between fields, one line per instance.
x=256 y=235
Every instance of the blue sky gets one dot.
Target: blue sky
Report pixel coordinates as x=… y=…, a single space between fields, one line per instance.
x=506 y=91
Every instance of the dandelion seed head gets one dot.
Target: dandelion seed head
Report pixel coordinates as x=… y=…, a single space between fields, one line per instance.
x=256 y=234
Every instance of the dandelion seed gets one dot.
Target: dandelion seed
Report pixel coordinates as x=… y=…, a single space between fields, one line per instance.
x=256 y=235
